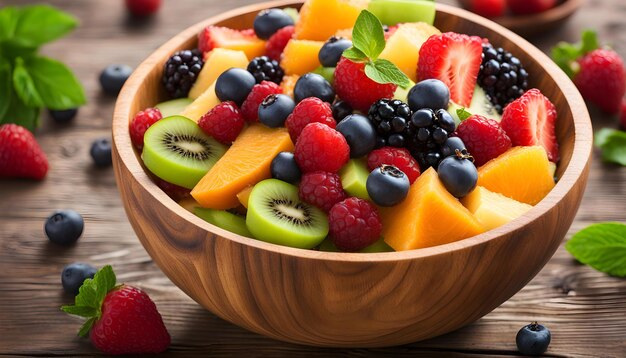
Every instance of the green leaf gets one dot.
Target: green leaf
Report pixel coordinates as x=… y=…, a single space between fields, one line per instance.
x=39 y=24
x=20 y=113
x=613 y=146
x=602 y=136
x=24 y=85
x=82 y=311
x=368 y=35
x=601 y=246
x=463 y=114
x=104 y=281
x=84 y=329
x=5 y=86
x=8 y=21
x=384 y=71
x=354 y=54
x=565 y=54
x=55 y=83
x=589 y=41
x=87 y=295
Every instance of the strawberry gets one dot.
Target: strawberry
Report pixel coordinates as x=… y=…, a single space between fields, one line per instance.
x=598 y=73
x=529 y=120
x=353 y=86
x=526 y=7
x=483 y=138
x=486 y=8
x=453 y=59
x=276 y=44
x=121 y=319
x=20 y=154
x=218 y=36
x=143 y=7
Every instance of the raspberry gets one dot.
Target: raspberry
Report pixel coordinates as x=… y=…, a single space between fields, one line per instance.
x=322 y=189
x=276 y=44
x=354 y=87
x=20 y=154
x=398 y=157
x=354 y=224
x=309 y=110
x=224 y=122
x=174 y=191
x=320 y=147
x=483 y=138
x=140 y=124
x=250 y=107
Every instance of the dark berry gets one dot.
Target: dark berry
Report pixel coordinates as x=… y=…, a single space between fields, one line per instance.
x=445 y=120
x=264 y=68
x=387 y=185
x=533 y=339
x=390 y=118
x=267 y=22
x=451 y=145
x=431 y=93
x=429 y=131
x=63 y=116
x=285 y=168
x=331 y=51
x=113 y=77
x=64 y=227
x=74 y=275
x=502 y=76
x=341 y=109
x=313 y=85
x=359 y=133
x=181 y=71
x=101 y=152
x=275 y=109
x=234 y=85
x=458 y=174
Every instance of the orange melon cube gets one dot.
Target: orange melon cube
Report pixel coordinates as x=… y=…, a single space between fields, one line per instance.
x=320 y=19
x=244 y=195
x=216 y=62
x=300 y=56
x=493 y=209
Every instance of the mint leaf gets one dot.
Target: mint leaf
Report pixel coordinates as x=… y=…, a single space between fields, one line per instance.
x=354 y=54
x=84 y=329
x=601 y=246
x=612 y=143
x=39 y=24
x=602 y=136
x=8 y=22
x=384 y=71
x=20 y=113
x=463 y=114
x=368 y=35
x=87 y=294
x=55 y=83
x=589 y=41
x=24 y=85
x=5 y=86
x=82 y=311
x=104 y=281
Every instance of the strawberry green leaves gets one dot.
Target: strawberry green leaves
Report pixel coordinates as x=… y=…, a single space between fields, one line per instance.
x=612 y=143
x=368 y=41
x=565 y=54
x=601 y=246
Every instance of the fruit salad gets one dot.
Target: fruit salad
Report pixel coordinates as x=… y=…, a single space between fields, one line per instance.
x=351 y=126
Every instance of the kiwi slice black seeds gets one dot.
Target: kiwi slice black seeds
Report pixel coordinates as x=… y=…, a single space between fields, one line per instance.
x=179 y=143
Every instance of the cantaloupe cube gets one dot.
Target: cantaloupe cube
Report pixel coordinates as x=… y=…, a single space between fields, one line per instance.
x=300 y=56
x=493 y=209
x=201 y=105
x=320 y=19
x=403 y=46
x=216 y=62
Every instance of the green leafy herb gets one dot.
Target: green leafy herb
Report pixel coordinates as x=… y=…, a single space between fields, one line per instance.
x=463 y=114
x=368 y=42
x=565 y=54
x=612 y=143
x=601 y=246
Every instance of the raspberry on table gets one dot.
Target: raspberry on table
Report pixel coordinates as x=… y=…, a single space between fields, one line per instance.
x=140 y=124
x=276 y=44
x=250 y=107
x=320 y=147
x=181 y=72
x=309 y=110
x=483 y=138
x=322 y=189
x=224 y=122
x=354 y=224
x=353 y=86
x=398 y=157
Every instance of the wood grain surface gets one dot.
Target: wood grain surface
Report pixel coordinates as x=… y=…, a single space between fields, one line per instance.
x=584 y=309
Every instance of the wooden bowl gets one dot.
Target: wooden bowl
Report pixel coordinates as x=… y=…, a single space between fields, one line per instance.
x=341 y=299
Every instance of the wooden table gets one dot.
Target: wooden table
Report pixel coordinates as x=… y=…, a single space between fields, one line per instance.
x=585 y=309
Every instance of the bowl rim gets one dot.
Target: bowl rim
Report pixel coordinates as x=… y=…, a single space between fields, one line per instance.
x=581 y=152
x=561 y=11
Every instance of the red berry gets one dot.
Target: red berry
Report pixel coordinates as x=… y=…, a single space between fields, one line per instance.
x=602 y=79
x=622 y=115
x=20 y=154
x=309 y=110
x=143 y=7
x=250 y=107
x=454 y=59
x=174 y=191
x=140 y=124
x=483 y=138
x=320 y=147
x=525 y=7
x=487 y=8
x=322 y=189
x=529 y=120
x=398 y=157
x=353 y=86
x=276 y=43
x=218 y=36
x=224 y=122
x=354 y=224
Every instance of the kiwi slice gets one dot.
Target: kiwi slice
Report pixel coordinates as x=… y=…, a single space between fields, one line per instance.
x=174 y=106
x=392 y=12
x=327 y=72
x=480 y=105
x=353 y=178
x=277 y=215
x=176 y=150
x=225 y=220
x=379 y=246
x=403 y=93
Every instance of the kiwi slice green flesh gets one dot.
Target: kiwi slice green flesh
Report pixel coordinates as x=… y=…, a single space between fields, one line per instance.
x=277 y=215
x=176 y=150
x=480 y=105
x=225 y=220
x=379 y=246
x=353 y=178
x=173 y=107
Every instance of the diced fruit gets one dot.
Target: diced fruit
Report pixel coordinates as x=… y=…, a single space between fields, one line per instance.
x=266 y=69
x=268 y=21
x=429 y=216
x=387 y=185
x=522 y=173
x=359 y=133
x=379 y=246
x=173 y=107
x=480 y=105
x=493 y=209
x=201 y=105
x=313 y=85
x=392 y=12
x=353 y=86
x=277 y=215
x=276 y=44
x=225 y=220
x=309 y=110
x=458 y=174
x=455 y=60
x=344 y=33
x=234 y=85
x=322 y=189
x=181 y=72
x=483 y=138
x=244 y=196
x=64 y=227
x=275 y=109
x=331 y=51
x=319 y=147
x=222 y=37
x=285 y=168
x=245 y=163
x=140 y=124
x=224 y=122
x=320 y=19
x=288 y=84
x=398 y=157
x=354 y=178
x=176 y=150
x=300 y=56
x=216 y=62
x=502 y=76
x=354 y=224
x=250 y=107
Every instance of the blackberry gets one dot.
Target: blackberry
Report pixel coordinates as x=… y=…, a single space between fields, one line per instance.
x=264 y=68
x=390 y=118
x=502 y=76
x=428 y=132
x=181 y=71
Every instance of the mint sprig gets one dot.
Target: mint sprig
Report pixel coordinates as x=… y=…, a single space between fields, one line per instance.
x=368 y=42
x=88 y=302
x=463 y=114
x=612 y=143
x=565 y=54
x=601 y=246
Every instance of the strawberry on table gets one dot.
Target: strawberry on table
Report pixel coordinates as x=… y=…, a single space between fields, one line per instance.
x=483 y=138
x=20 y=154
x=526 y=7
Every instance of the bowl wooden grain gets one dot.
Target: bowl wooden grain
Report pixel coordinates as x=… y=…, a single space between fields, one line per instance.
x=341 y=299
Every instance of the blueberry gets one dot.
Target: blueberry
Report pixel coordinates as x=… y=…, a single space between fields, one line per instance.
x=64 y=227
x=387 y=185
x=359 y=133
x=331 y=51
x=63 y=116
x=285 y=168
x=267 y=22
x=74 y=275
x=274 y=110
x=432 y=94
x=533 y=339
x=313 y=85
x=451 y=145
x=458 y=174
x=341 y=109
x=234 y=85
x=101 y=152
x=112 y=78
